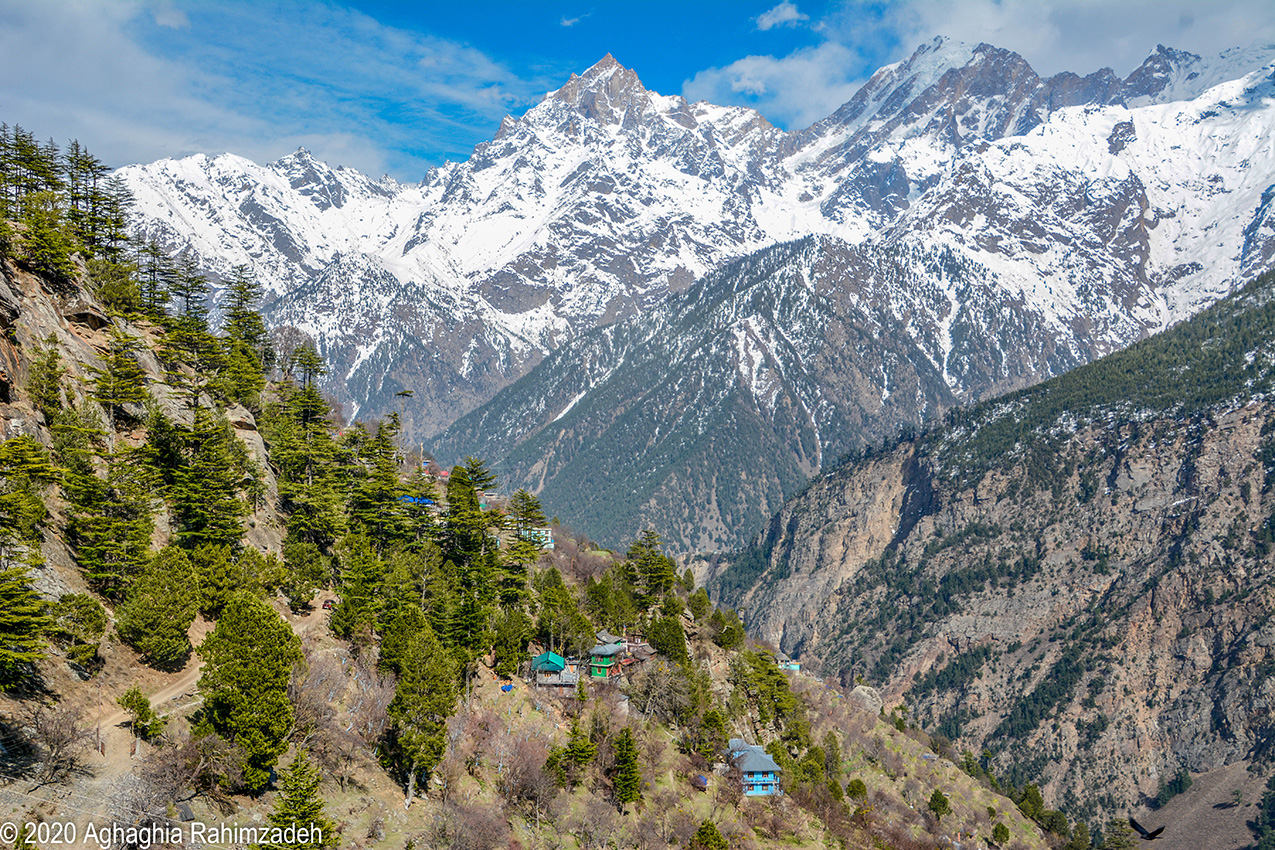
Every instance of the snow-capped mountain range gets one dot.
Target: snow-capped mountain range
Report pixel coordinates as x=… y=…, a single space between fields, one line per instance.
x=1006 y=225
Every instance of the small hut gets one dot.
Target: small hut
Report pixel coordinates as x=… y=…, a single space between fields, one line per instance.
x=603 y=660
x=552 y=671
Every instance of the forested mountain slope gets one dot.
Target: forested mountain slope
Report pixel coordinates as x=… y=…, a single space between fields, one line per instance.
x=701 y=416
x=220 y=606
x=1075 y=577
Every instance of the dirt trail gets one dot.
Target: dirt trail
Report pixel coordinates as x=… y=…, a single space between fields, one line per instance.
x=176 y=693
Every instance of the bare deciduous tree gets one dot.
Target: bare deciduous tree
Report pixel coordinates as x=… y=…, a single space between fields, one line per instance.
x=468 y=826
x=338 y=752
x=523 y=781
x=373 y=693
x=660 y=691
x=595 y=824
x=59 y=734
x=316 y=683
x=204 y=765
x=286 y=339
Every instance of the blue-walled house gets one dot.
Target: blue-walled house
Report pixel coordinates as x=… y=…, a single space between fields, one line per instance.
x=761 y=774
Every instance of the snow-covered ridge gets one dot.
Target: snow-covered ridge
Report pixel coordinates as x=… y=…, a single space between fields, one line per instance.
x=1103 y=209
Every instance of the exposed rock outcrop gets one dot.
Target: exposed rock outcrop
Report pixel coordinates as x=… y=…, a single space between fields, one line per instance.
x=1087 y=596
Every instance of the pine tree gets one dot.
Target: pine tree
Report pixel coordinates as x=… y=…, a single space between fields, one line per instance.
x=249 y=353
x=403 y=581
x=248 y=660
x=24 y=621
x=25 y=472
x=79 y=621
x=471 y=548
x=306 y=571
x=397 y=643
x=478 y=473
x=510 y=644
x=85 y=174
x=111 y=524
x=155 y=270
x=425 y=698
x=1263 y=825
x=656 y=570
x=194 y=355
x=668 y=639
x=299 y=805
x=465 y=525
x=44 y=384
x=204 y=494
x=628 y=772
x=6 y=172
x=376 y=502
x=699 y=604
x=581 y=751
x=112 y=206
x=120 y=380
x=219 y=578
x=248 y=349
x=1079 y=837
x=525 y=517
x=939 y=804
x=1118 y=835
x=146 y=722
x=115 y=285
x=45 y=243
x=708 y=837
x=243 y=322
x=161 y=606
x=418 y=509
x=559 y=623
x=306 y=458
x=361 y=576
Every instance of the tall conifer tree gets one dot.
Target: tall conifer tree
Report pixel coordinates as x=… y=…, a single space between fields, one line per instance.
x=248 y=660
x=24 y=621
x=425 y=698
x=299 y=805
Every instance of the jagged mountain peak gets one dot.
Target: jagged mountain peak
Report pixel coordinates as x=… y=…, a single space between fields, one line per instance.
x=1169 y=75
x=606 y=197
x=606 y=92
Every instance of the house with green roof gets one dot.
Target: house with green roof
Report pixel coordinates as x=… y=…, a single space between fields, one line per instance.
x=552 y=670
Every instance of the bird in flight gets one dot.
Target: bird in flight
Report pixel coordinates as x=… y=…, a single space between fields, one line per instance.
x=1141 y=830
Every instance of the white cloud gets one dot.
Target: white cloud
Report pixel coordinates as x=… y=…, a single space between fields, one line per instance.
x=168 y=15
x=1084 y=35
x=250 y=78
x=793 y=91
x=785 y=14
x=570 y=22
x=858 y=36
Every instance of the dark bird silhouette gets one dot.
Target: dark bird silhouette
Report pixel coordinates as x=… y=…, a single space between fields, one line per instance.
x=1147 y=836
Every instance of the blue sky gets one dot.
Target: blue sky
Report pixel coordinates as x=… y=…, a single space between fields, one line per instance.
x=395 y=88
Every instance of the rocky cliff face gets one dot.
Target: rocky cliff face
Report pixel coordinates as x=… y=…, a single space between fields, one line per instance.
x=1076 y=578
x=34 y=316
